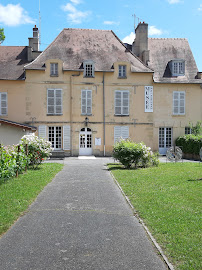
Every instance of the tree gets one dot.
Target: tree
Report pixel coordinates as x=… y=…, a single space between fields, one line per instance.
x=2 y=36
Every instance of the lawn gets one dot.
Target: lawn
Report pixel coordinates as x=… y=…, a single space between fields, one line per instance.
x=168 y=199
x=17 y=194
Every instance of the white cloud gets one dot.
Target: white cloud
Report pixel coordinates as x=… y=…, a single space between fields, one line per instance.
x=129 y=39
x=174 y=1
x=74 y=15
x=13 y=15
x=200 y=8
x=76 y=2
x=111 y=22
x=153 y=31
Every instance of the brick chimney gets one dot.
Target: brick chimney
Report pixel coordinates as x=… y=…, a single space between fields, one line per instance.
x=140 y=44
x=33 y=48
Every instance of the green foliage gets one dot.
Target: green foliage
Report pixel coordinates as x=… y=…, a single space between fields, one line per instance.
x=168 y=199
x=2 y=36
x=14 y=158
x=190 y=143
x=17 y=194
x=130 y=153
x=38 y=149
x=197 y=129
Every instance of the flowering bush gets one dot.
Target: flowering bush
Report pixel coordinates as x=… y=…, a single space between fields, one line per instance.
x=30 y=152
x=130 y=153
x=12 y=160
x=38 y=149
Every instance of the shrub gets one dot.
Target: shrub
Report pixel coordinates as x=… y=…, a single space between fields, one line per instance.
x=190 y=143
x=38 y=149
x=130 y=153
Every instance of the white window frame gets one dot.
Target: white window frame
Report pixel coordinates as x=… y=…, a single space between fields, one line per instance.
x=148 y=98
x=187 y=130
x=86 y=102
x=121 y=132
x=3 y=109
x=120 y=104
x=178 y=102
x=89 y=69
x=122 y=71
x=178 y=68
x=55 y=101
x=54 y=69
x=55 y=144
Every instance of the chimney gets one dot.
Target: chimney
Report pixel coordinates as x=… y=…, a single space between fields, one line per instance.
x=140 y=44
x=33 y=49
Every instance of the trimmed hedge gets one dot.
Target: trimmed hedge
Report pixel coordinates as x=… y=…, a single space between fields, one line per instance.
x=190 y=144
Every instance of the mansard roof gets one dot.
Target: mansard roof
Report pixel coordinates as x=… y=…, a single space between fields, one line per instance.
x=164 y=50
x=12 y=62
x=74 y=46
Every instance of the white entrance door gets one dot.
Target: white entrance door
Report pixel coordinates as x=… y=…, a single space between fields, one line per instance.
x=85 y=142
x=165 y=140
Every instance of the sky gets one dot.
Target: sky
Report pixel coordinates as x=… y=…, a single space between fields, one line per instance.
x=166 y=19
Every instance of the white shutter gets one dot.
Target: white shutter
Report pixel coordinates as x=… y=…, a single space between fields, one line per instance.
x=58 y=101
x=179 y=103
x=83 y=102
x=148 y=98
x=117 y=133
x=125 y=132
x=3 y=103
x=89 y=102
x=66 y=137
x=121 y=132
x=125 y=103
x=50 y=101
x=42 y=132
x=117 y=102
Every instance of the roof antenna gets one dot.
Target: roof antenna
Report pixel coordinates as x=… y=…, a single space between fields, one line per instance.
x=134 y=20
x=39 y=25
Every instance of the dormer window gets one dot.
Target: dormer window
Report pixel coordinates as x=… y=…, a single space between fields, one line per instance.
x=177 y=68
x=122 y=71
x=54 y=69
x=88 y=69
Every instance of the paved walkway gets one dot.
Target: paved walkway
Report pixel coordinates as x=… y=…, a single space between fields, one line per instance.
x=79 y=221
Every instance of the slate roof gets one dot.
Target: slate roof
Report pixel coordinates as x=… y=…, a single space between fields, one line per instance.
x=15 y=124
x=162 y=51
x=73 y=46
x=12 y=61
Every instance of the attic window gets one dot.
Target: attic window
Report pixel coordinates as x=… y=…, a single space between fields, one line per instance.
x=178 y=68
x=54 y=69
x=88 y=69
x=122 y=71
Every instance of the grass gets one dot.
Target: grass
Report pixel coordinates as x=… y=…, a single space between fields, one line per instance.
x=168 y=199
x=17 y=194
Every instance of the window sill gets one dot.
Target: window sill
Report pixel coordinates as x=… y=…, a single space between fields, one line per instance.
x=83 y=114
x=52 y=75
x=182 y=115
x=54 y=114
x=89 y=76
x=121 y=115
x=122 y=77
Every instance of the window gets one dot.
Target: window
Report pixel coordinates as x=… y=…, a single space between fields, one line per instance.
x=86 y=102
x=148 y=98
x=179 y=103
x=3 y=103
x=54 y=69
x=55 y=137
x=88 y=69
x=122 y=71
x=54 y=101
x=121 y=132
x=121 y=102
x=187 y=130
x=178 y=67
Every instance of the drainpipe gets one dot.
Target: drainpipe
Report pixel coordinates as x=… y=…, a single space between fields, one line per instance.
x=104 y=111
x=71 y=88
